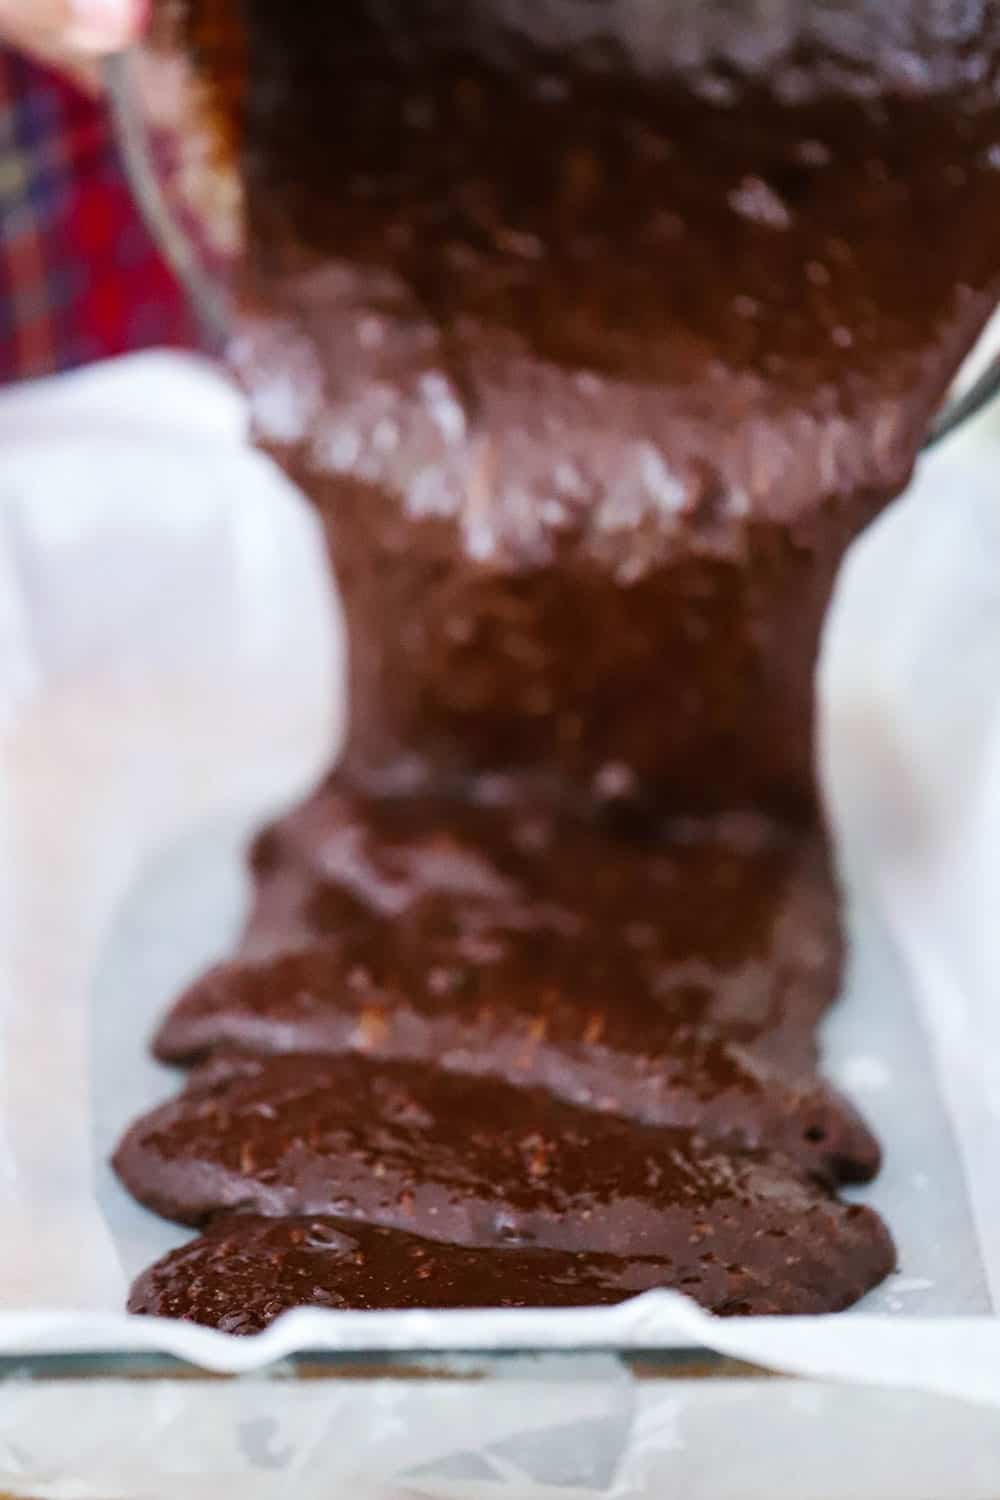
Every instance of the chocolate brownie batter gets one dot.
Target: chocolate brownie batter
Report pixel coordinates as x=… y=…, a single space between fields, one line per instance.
x=248 y=1270
x=474 y=1162
x=595 y=330
x=730 y=919
x=517 y=944
x=595 y=364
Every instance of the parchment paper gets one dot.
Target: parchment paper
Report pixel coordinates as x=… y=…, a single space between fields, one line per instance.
x=172 y=668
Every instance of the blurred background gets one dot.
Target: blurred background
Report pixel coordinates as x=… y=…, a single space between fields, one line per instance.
x=80 y=279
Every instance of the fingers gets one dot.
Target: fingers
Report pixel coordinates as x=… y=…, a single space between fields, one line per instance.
x=71 y=34
x=72 y=27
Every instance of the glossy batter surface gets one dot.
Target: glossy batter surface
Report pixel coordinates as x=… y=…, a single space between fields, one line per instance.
x=248 y=1270
x=676 y=981
x=427 y=997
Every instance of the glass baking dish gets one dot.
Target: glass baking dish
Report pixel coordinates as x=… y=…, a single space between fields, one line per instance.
x=668 y=1421
x=513 y=1428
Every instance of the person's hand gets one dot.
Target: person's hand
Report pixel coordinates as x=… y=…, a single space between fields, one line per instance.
x=71 y=34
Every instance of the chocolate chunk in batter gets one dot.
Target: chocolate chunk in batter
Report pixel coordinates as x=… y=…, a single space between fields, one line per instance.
x=248 y=1270
x=470 y=1161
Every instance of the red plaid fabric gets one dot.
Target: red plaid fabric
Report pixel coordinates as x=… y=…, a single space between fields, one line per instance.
x=80 y=279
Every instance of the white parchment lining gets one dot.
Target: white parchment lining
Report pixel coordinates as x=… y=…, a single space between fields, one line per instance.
x=171 y=667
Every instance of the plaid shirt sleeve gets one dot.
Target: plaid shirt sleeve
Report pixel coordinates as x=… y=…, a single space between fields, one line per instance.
x=80 y=279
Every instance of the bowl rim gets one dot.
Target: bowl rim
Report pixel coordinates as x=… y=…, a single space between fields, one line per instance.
x=206 y=292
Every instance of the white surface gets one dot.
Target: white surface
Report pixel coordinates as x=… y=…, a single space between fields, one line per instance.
x=170 y=661
x=163 y=605
x=911 y=693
